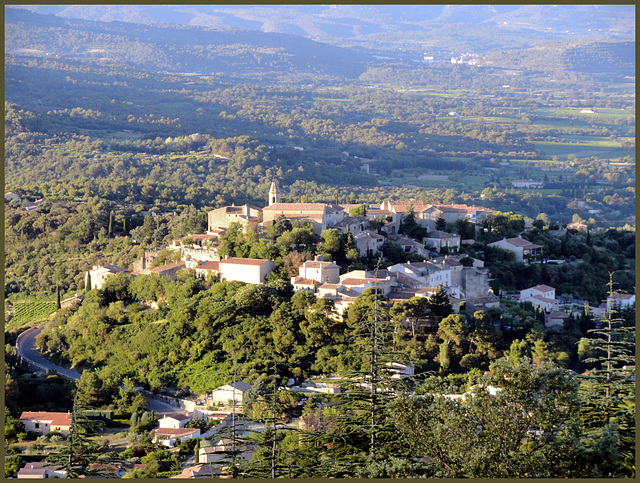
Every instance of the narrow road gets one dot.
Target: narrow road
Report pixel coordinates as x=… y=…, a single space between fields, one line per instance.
x=26 y=348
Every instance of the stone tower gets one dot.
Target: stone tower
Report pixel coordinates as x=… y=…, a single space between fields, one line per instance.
x=274 y=195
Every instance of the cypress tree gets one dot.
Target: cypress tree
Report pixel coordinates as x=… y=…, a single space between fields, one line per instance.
x=110 y=232
x=58 y=305
x=87 y=285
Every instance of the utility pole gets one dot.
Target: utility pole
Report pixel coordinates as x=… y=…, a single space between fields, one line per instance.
x=273 y=445
x=233 y=420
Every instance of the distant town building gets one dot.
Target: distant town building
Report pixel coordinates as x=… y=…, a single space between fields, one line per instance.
x=99 y=274
x=248 y=270
x=524 y=250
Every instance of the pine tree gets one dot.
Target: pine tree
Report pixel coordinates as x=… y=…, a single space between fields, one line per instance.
x=608 y=393
x=358 y=438
x=79 y=452
x=439 y=302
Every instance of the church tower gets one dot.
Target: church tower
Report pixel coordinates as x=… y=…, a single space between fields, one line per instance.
x=274 y=195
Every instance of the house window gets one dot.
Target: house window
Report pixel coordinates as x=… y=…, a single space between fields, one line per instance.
x=37 y=425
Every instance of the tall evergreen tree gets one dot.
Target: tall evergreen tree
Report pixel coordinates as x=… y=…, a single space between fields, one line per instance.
x=358 y=437
x=439 y=302
x=110 y=231
x=80 y=451
x=608 y=392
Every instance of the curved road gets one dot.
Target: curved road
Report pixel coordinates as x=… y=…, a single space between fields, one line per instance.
x=26 y=348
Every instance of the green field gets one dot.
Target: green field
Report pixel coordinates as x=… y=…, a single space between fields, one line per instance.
x=583 y=150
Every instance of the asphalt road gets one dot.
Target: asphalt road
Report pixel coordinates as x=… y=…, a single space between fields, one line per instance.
x=26 y=348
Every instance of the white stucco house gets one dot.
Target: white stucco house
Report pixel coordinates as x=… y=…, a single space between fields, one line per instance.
x=441 y=239
x=542 y=297
x=174 y=421
x=99 y=274
x=168 y=436
x=320 y=271
x=229 y=392
x=42 y=422
x=620 y=301
x=248 y=270
x=524 y=250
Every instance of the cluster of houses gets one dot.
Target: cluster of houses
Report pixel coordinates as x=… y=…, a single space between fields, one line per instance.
x=462 y=281
x=220 y=404
x=399 y=282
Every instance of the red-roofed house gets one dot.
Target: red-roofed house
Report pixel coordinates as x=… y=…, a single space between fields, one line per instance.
x=169 y=270
x=41 y=469
x=541 y=290
x=206 y=268
x=322 y=272
x=542 y=297
x=620 y=301
x=44 y=422
x=248 y=270
x=524 y=250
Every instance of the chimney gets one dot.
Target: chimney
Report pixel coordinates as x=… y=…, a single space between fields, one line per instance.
x=246 y=210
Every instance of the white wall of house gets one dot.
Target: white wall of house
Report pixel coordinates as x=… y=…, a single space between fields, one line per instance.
x=329 y=273
x=169 y=422
x=254 y=274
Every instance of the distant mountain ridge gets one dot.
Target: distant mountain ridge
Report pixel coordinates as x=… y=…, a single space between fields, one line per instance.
x=176 y=48
x=389 y=23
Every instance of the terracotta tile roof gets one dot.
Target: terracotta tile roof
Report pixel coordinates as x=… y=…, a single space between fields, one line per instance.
x=299 y=207
x=169 y=266
x=314 y=264
x=542 y=288
x=210 y=265
x=358 y=281
x=57 y=419
x=303 y=281
x=403 y=206
x=441 y=234
x=541 y=299
x=244 y=261
x=521 y=242
x=621 y=296
x=329 y=286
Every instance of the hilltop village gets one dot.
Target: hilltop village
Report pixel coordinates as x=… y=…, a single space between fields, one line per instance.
x=436 y=262
x=468 y=282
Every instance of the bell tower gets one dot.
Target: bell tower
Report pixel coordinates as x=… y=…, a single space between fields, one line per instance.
x=274 y=195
